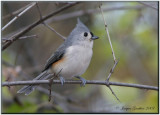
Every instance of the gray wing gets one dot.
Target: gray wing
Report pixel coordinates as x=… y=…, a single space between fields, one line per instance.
x=59 y=53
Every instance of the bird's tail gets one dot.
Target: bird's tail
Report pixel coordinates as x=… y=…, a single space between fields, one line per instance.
x=29 y=88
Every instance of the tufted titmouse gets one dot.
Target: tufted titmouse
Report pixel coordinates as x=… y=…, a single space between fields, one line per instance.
x=71 y=59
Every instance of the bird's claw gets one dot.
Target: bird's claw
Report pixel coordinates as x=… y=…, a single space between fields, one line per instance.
x=62 y=80
x=83 y=81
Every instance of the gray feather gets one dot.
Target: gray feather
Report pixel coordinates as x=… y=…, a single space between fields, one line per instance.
x=55 y=57
x=29 y=88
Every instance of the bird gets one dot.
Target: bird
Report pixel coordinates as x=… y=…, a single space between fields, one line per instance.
x=71 y=59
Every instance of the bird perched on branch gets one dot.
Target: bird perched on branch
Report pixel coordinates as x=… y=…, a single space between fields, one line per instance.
x=71 y=59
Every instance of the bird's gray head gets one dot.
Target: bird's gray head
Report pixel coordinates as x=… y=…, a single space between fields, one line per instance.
x=81 y=34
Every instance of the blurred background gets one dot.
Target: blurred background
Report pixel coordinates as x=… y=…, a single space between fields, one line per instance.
x=133 y=28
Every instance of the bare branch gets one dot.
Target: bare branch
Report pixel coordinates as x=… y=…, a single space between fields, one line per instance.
x=15 y=12
x=31 y=36
x=46 y=25
x=114 y=57
x=113 y=92
x=23 y=37
x=50 y=89
x=111 y=71
x=49 y=27
x=37 y=82
x=21 y=33
x=106 y=28
x=20 y=14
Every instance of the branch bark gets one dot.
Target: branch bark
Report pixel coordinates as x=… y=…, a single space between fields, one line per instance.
x=20 y=14
x=95 y=82
x=14 y=13
x=21 y=33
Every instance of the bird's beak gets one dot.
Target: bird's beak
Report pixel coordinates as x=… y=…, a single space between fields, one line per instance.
x=94 y=37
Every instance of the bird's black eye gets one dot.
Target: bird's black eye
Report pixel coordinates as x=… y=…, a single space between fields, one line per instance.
x=91 y=34
x=85 y=34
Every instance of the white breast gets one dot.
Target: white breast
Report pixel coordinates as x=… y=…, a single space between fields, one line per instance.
x=77 y=60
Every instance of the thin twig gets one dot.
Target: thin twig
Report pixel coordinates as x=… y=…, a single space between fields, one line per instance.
x=149 y=5
x=56 y=95
x=50 y=89
x=113 y=92
x=31 y=36
x=40 y=15
x=50 y=84
x=114 y=57
x=15 y=12
x=37 y=82
x=23 y=37
x=20 y=14
x=21 y=33
x=50 y=28
x=112 y=70
x=46 y=25
x=106 y=28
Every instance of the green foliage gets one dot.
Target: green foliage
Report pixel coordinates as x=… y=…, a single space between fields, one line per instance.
x=26 y=108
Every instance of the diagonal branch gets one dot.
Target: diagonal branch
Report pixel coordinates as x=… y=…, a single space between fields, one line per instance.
x=113 y=92
x=20 y=14
x=106 y=28
x=15 y=12
x=46 y=25
x=52 y=29
x=112 y=70
x=21 y=33
x=95 y=82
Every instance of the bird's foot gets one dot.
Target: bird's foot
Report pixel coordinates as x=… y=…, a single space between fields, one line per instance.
x=62 y=80
x=82 y=79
